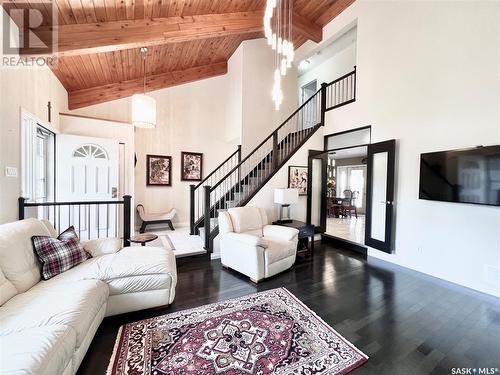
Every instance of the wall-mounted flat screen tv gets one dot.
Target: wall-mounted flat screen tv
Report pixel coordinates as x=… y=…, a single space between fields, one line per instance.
x=462 y=176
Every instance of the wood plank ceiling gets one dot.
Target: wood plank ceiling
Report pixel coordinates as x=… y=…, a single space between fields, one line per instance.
x=187 y=40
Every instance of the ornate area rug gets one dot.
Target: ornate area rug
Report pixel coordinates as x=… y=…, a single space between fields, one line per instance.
x=270 y=332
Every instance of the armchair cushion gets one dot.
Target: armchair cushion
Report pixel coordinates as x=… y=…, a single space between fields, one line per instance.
x=247 y=239
x=279 y=250
x=248 y=219
x=225 y=224
x=280 y=232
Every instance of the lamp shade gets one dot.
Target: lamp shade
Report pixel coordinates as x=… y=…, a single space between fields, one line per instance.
x=286 y=196
x=143 y=111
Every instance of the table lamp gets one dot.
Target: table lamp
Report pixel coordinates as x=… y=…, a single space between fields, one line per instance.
x=285 y=197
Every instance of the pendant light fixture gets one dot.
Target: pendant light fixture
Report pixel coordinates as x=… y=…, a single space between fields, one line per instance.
x=143 y=106
x=278 y=31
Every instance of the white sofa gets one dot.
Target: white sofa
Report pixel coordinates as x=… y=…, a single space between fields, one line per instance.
x=250 y=246
x=46 y=326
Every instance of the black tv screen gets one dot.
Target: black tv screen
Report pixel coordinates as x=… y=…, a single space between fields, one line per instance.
x=463 y=176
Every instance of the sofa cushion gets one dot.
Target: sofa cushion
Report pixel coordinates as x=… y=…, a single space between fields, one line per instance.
x=41 y=350
x=73 y=304
x=278 y=250
x=102 y=246
x=132 y=269
x=7 y=289
x=248 y=220
x=17 y=258
x=59 y=254
x=50 y=227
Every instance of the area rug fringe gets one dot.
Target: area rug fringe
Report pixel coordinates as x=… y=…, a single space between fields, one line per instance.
x=109 y=371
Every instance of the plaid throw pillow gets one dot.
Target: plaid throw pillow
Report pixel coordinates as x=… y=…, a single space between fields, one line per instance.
x=59 y=254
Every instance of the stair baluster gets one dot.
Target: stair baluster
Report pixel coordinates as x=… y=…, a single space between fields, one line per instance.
x=247 y=176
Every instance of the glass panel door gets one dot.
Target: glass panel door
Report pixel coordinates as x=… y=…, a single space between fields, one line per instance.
x=380 y=195
x=316 y=205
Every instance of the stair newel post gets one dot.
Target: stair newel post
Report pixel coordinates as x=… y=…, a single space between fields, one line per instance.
x=275 y=150
x=323 y=102
x=238 y=175
x=207 y=217
x=355 y=75
x=191 y=209
x=20 y=202
x=127 y=204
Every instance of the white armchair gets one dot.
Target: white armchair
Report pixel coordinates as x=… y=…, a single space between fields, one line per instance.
x=250 y=246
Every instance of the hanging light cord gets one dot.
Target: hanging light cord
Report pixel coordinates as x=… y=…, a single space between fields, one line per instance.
x=143 y=51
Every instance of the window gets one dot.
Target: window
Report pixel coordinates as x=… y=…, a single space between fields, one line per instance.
x=90 y=151
x=37 y=160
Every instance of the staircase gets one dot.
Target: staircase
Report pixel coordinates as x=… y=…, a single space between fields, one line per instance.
x=235 y=181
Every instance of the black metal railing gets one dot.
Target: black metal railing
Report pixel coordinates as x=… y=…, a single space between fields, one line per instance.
x=247 y=177
x=242 y=182
x=197 y=208
x=341 y=91
x=91 y=219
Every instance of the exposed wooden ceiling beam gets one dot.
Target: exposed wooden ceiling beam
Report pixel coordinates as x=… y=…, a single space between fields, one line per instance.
x=306 y=28
x=90 y=38
x=100 y=94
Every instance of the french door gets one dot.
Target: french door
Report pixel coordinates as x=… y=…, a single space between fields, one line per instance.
x=380 y=195
x=316 y=189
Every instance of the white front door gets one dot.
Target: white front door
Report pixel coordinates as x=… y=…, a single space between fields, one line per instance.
x=87 y=170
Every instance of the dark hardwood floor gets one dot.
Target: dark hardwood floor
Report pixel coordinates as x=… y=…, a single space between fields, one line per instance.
x=406 y=322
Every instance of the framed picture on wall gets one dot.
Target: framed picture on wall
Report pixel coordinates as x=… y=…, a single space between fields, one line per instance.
x=191 y=166
x=158 y=170
x=297 y=178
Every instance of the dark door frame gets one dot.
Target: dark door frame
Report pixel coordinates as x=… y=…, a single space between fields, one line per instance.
x=316 y=154
x=374 y=148
x=337 y=241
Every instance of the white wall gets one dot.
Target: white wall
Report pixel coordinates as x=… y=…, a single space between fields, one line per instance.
x=30 y=89
x=259 y=117
x=211 y=116
x=234 y=107
x=265 y=197
x=429 y=76
x=334 y=67
x=190 y=117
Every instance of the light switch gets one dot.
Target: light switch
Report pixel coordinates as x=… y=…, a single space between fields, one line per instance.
x=10 y=172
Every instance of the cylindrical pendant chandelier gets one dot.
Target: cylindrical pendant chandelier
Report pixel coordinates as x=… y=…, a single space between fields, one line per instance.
x=143 y=106
x=278 y=31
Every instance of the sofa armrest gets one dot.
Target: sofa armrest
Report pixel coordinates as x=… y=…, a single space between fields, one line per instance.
x=247 y=239
x=102 y=246
x=281 y=232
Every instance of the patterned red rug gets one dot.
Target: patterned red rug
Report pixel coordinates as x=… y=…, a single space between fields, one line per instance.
x=270 y=332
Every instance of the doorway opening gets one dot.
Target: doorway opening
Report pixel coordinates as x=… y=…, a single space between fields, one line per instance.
x=346 y=194
x=351 y=190
x=308 y=90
